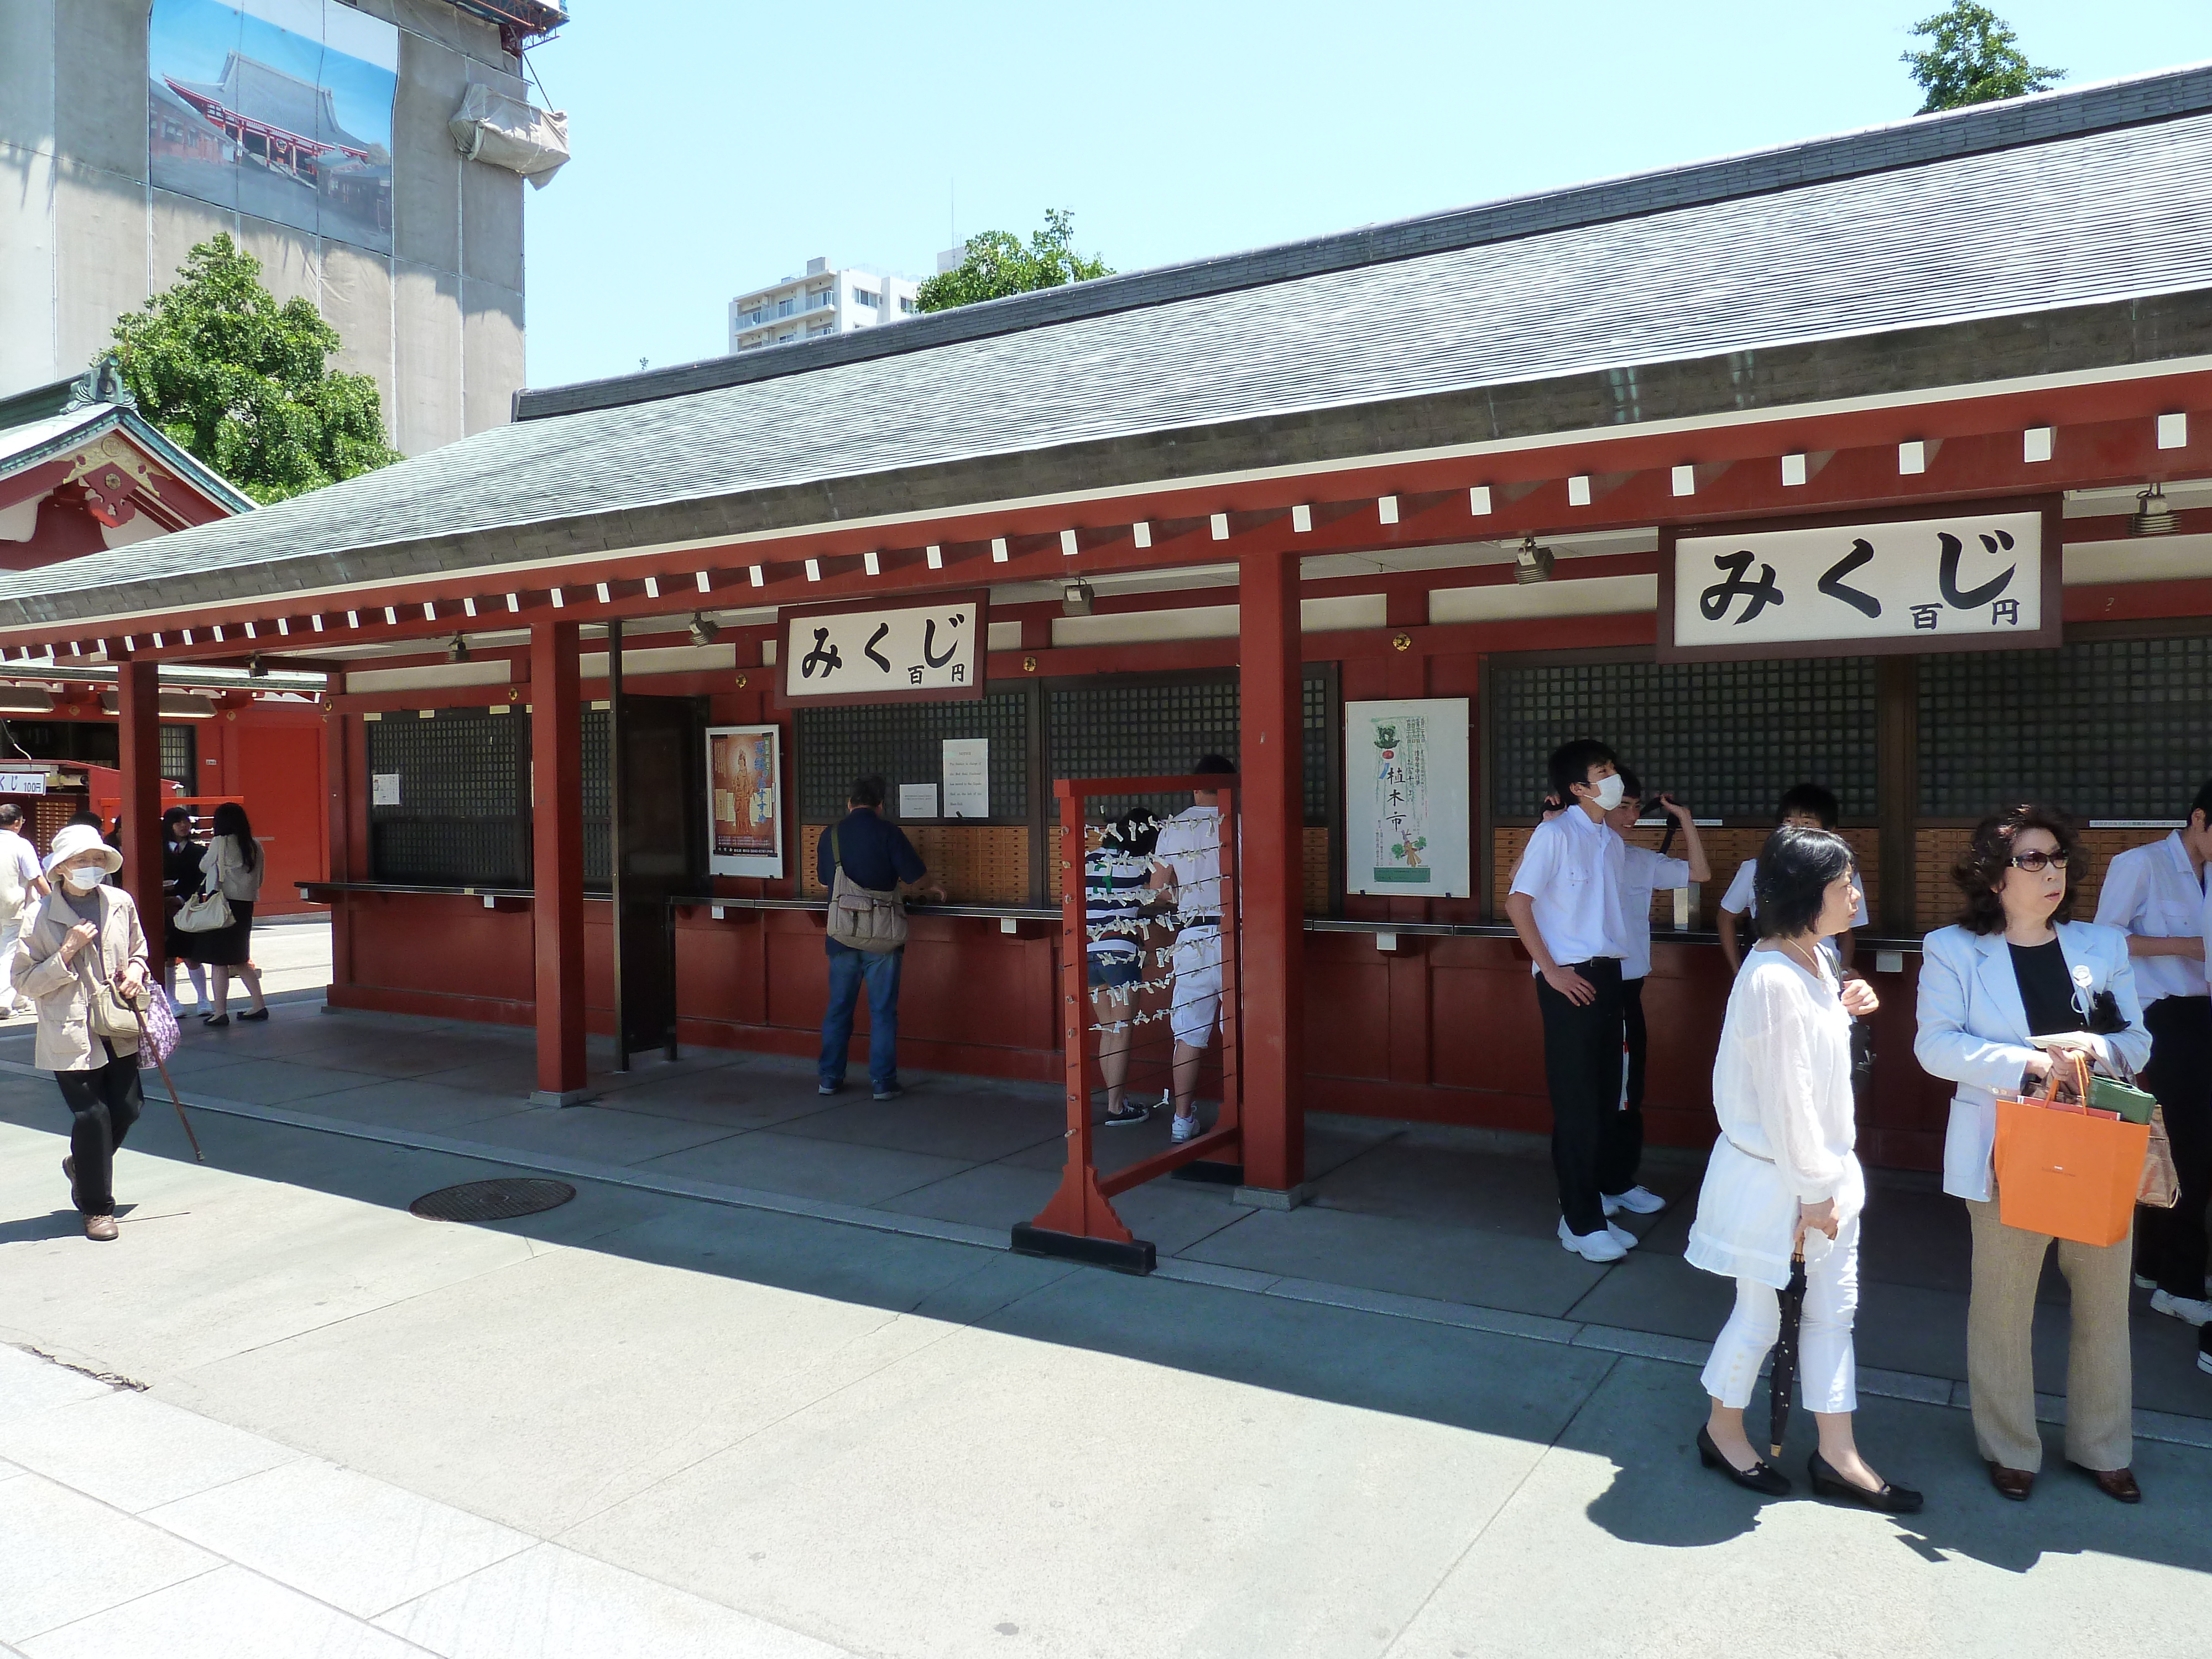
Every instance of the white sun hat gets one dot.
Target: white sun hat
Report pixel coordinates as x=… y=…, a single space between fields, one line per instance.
x=82 y=838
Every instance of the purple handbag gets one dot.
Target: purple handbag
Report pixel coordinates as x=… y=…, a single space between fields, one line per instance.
x=158 y=1024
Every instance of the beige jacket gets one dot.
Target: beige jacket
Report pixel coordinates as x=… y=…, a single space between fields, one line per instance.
x=224 y=863
x=65 y=1040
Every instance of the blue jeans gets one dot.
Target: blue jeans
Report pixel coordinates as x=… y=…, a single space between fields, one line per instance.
x=847 y=969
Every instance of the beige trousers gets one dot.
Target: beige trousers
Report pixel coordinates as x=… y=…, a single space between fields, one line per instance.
x=2000 y=1362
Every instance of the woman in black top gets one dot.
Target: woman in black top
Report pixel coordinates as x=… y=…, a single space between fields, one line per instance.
x=180 y=879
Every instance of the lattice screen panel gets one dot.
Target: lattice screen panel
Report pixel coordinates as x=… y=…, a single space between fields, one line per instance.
x=1726 y=738
x=462 y=818
x=180 y=757
x=903 y=741
x=2105 y=729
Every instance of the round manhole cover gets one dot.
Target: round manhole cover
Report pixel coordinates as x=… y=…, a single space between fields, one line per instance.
x=491 y=1201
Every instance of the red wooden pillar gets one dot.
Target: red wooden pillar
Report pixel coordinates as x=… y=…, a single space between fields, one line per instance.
x=1271 y=750
x=556 y=813
x=138 y=742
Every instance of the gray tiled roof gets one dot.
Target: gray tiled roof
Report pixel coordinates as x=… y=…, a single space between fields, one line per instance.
x=2073 y=222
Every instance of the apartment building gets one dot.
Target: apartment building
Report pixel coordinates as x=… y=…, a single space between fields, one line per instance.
x=820 y=301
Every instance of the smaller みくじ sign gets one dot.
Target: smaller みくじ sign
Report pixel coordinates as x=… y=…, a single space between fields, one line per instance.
x=928 y=650
x=1961 y=582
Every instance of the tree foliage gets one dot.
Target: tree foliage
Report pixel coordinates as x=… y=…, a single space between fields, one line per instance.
x=1971 y=58
x=244 y=383
x=998 y=264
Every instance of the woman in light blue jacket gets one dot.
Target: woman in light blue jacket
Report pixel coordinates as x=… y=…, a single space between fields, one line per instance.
x=2009 y=986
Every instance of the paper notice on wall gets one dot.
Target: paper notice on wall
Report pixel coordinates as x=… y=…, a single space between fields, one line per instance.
x=917 y=800
x=383 y=789
x=1407 y=803
x=967 y=777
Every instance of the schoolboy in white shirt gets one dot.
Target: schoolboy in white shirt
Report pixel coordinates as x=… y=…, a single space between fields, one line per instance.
x=1804 y=806
x=1566 y=906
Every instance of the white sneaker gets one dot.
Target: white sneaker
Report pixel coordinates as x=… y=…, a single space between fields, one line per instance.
x=2144 y=1284
x=1621 y=1235
x=1636 y=1200
x=2185 y=1309
x=1185 y=1129
x=1591 y=1246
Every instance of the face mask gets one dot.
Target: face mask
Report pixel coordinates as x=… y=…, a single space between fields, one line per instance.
x=1609 y=791
x=84 y=877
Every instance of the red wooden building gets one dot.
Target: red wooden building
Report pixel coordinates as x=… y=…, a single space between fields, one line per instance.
x=1477 y=459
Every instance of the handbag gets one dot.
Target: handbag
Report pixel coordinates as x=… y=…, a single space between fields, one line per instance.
x=862 y=917
x=2066 y=1170
x=207 y=911
x=2160 y=1188
x=107 y=1013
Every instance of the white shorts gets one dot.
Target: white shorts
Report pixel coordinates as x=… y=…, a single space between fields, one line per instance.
x=1195 y=1015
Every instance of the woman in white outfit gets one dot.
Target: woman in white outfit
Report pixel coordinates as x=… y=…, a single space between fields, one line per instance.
x=1784 y=1173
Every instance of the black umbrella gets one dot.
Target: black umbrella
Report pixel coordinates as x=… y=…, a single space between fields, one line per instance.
x=1782 y=1382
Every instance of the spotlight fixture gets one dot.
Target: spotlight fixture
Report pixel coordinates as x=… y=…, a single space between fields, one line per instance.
x=457 y=651
x=703 y=631
x=1076 y=598
x=1532 y=563
x=255 y=668
x=2152 y=517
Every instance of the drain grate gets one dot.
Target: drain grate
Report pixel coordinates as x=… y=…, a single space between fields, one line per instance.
x=491 y=1201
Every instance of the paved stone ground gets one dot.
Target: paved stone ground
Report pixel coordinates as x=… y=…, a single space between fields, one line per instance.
x=773 y=1367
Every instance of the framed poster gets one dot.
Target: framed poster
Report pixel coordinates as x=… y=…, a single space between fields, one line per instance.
x=744 y=800
x=1405 y=803
x=925 y=650
x=1984 y=577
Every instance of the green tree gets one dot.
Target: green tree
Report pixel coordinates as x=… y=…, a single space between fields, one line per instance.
x=244 y=383
x=1971 y=59
x=998 y=265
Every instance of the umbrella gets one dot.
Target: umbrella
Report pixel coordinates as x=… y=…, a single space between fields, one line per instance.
x=1782 y=1384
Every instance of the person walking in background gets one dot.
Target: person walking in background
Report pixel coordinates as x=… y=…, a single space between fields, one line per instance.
x=1644 y=872
x=1784 y=1174
x=22 y=884
x=85 y=938
x=1804 y=806
x=231 y=866
x=180 y=879
x=1566 y=906
x=875 y=855
x=1186 y=867
x=1116 y=894
x=2013 y=982
x=2155 y=895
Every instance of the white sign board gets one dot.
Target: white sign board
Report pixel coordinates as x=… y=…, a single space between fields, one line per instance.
x=917 y=800
x=931 y=651
x=1934 y=584
x=383 y=789
x=22 y=783
x=967 y=777
x=1406 y=810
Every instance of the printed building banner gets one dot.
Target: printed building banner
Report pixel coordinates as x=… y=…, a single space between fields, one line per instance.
x=1406 y=800
x=278 y=108
x=914 y=650
x=1955 y=582
x=744 y=795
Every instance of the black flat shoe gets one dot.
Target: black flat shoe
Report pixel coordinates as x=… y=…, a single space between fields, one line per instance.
x=1759 y=1477
x=1890 y=1500
x=254 y=1013
x=215 y=1022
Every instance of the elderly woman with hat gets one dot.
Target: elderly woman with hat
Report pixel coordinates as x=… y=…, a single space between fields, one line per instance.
x=84 y=963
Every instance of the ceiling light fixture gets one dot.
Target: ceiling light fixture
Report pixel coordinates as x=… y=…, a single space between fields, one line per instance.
x=1532 y=563
x=2152 y=516
x=457 y=651
x=1076 y=600
x=703 y=631
x=255 y=668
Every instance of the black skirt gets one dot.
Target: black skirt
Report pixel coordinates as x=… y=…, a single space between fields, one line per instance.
x=225 y=947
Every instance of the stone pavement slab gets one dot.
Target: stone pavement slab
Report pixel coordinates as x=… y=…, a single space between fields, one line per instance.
x=228 y=1613
x=132 y=1451
x=64 y=1556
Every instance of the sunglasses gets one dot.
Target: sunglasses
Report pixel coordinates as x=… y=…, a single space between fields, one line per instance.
x=2036 y=863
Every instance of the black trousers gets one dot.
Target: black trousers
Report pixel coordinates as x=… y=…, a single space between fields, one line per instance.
x=2170 y=1244
x=1630 y=1131
x=1595 y=1150
x=104 y=1103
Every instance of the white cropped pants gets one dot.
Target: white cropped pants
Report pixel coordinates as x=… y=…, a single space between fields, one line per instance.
x=1827 y=1372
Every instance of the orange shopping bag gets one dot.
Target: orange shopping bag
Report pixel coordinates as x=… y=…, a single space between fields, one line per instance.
x=2066 y=1171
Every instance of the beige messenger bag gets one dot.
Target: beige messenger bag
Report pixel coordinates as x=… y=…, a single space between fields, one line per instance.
x=862 y=917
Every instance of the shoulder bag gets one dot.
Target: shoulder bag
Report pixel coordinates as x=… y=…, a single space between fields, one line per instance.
x=106 y=1013
x=862 y=917
x=207 y=911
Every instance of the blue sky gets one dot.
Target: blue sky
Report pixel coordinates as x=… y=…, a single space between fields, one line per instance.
x=191 y=39
x=718 y=147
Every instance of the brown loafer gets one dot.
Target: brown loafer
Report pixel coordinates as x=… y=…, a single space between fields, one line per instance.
x=101 y=1227
x=2119 y=1484
x=2014 y=1484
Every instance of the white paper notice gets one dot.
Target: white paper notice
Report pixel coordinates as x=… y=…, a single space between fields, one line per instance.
x=917 y=800
x=967 y=777
x=383 y=789
x=22 y=783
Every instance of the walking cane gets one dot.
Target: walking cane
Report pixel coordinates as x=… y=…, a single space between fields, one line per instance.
x=1782 y=1384
x=147 y=1041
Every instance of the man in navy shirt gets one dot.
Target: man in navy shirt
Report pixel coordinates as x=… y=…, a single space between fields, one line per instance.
x=877 y=854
